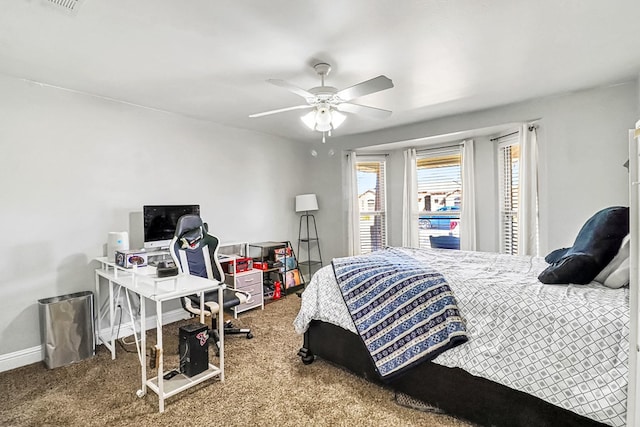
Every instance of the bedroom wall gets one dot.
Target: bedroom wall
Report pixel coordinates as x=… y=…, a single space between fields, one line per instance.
x=74 y=167
x=583 y=142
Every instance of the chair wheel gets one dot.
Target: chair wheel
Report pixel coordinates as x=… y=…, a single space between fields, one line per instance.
x=249 y=335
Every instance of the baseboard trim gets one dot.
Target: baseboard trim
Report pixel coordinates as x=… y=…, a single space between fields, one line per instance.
x=31 y=355
x=20 y=358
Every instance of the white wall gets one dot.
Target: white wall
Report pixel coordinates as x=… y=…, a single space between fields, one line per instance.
x=583 y=143
x=74 y=167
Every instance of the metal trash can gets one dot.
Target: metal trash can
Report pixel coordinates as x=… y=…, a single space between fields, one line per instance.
x=66 y=328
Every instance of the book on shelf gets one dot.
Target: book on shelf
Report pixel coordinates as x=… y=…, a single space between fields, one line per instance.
x=285 y=256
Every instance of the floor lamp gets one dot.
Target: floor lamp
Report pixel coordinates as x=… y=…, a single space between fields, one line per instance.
x=308 y=203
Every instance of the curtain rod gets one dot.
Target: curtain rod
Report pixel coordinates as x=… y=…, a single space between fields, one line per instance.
x=531 y=126
x=359 y=154
x=442 y=147
x=504 y=136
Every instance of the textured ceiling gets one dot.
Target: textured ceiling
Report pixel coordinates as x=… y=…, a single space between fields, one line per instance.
x=211 y=59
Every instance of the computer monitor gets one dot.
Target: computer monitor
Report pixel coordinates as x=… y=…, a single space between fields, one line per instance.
x=160 y=223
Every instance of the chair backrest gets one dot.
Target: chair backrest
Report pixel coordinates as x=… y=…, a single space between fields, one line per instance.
x=194 y=250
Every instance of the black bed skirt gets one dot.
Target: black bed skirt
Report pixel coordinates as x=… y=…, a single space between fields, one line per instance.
x=452 y=390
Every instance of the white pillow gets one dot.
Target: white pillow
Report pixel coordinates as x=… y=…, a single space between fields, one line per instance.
x=620 y=277
x=616 y=262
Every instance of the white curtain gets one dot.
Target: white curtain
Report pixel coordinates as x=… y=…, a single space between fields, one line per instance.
x=468 y=214
x=353 y=210
x=410 y=200
x=528 y=195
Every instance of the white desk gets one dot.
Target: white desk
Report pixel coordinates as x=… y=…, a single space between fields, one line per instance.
x=145 y=283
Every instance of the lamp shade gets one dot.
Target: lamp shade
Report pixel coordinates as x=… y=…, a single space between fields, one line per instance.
x=323 y=119
x=306 y=202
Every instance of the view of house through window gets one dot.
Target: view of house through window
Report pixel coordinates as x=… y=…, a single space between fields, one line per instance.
x=439 y=197
x=372 y=203
x=509 y=166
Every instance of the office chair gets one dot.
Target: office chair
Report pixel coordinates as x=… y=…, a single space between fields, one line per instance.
x=195 y=251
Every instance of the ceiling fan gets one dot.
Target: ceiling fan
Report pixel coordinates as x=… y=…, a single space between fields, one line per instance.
x=328 y=103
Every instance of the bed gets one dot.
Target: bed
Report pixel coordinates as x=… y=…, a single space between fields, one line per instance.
x=536 y=354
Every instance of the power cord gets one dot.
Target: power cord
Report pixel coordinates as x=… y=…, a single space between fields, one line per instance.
x=121 y=341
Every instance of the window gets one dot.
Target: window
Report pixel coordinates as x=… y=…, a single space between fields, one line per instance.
x=509 y=182
x=439 y=194
x=372 y=202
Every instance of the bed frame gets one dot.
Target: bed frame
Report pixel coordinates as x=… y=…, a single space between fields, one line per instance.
x=451 y=390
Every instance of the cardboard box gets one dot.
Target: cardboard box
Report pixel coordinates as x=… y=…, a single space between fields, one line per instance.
x=129 y=259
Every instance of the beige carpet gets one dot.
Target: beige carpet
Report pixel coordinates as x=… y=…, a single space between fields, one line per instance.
x=265 y=384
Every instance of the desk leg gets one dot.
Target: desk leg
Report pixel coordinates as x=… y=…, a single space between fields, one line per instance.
x=143 y=345
x=161 y=356
x=96 y=332
x=111 y=316
x=202 y=307
x=221 y=333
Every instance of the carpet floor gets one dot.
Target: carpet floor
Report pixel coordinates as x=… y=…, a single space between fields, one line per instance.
x=265 y=384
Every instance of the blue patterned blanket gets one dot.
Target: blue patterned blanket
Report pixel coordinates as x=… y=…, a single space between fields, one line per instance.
x=404 y=311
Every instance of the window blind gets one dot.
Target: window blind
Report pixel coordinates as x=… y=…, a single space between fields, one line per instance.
x=372 y=204
x=439 y=192
x=509 y=187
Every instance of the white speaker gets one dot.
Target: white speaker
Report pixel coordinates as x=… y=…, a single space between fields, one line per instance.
x=117 y=241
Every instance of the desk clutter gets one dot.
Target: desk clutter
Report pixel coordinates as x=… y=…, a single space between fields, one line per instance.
x=237 y=265
x=131 y=258
x=166 y=269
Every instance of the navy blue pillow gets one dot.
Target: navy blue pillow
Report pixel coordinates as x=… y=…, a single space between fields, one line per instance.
x=555 y=256
x=596 y=244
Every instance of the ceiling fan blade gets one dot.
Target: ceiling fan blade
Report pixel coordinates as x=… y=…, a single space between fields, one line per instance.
x=373 y=85
x=376 y=113
x=292 y=88
x=281 y=110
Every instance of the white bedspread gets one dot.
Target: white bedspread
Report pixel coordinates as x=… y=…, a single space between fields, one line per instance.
x=566 y=344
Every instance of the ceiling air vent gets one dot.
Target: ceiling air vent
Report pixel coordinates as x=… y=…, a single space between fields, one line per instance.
x=69 y=5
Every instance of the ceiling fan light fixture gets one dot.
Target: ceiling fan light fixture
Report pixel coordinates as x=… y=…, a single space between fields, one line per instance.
x=323 y=117
x=323 y=121
x=309 y=120
x=336 y=119
x=323 y=127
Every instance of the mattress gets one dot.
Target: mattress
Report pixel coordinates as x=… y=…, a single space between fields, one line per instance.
x=565 y=344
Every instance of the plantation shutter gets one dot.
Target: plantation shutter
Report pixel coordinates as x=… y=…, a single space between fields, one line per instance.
x=372 y=203
x=509 y=185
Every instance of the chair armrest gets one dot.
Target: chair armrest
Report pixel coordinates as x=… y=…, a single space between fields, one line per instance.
x=212 y=307
x=243 y=296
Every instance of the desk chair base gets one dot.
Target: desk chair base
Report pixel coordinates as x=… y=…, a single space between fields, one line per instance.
x=232 y=297
x=228 y=330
